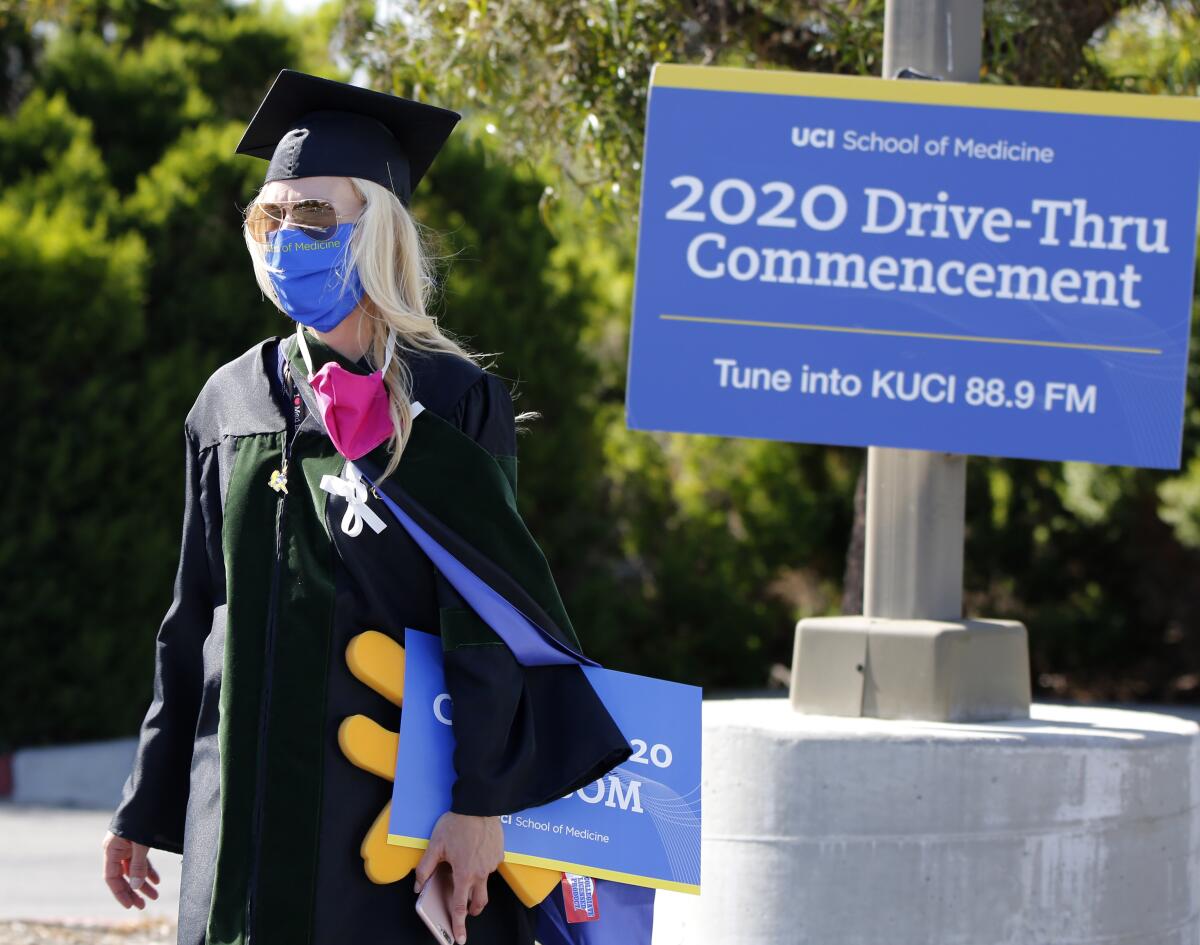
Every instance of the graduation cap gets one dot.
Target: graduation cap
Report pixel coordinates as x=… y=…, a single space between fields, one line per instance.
x=307 y=126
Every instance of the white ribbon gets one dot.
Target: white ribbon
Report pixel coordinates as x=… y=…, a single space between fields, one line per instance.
x=351 y=488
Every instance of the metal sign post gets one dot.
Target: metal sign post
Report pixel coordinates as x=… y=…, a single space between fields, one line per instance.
x=911 y=655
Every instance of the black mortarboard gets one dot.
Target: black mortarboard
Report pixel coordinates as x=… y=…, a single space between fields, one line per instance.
x=307 y=126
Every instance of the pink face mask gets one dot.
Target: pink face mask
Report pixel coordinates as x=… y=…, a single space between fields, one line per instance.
x=354 y=407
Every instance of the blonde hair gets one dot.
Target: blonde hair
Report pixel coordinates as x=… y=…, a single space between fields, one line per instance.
x=391 y=252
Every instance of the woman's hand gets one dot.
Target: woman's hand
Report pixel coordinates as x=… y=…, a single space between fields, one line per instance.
x=474 y=847
x=125 y=858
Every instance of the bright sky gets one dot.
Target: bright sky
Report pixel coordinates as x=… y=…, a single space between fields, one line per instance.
x=295 y=6
x=302 y=6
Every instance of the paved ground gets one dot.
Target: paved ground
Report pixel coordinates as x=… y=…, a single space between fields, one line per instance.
x=51 y=892
x=50 y=873
x=144 y=932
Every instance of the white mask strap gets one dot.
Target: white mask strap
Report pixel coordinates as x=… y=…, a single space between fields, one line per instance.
x=304 y=353
x=391 y=345
x=308 y=362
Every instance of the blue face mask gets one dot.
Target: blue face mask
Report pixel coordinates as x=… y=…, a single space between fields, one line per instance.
x=309 y=281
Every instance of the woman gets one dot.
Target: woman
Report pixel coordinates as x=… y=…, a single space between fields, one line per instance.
x=238 y=765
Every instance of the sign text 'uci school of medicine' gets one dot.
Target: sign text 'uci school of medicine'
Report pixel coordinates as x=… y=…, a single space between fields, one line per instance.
x=914 y=264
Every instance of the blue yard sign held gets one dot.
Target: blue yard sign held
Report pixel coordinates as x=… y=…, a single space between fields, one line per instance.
x=639 y=824
x=924 y=265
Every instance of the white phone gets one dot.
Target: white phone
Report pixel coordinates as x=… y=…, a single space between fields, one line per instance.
x=433 y=905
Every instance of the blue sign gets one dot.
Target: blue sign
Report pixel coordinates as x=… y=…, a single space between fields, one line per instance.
x=639 y=824
x=925 y=265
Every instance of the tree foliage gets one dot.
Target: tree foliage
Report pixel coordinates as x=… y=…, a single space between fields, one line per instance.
x=118 y=203
x=122 y=243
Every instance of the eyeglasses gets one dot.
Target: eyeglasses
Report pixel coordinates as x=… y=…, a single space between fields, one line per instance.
x=315 y=218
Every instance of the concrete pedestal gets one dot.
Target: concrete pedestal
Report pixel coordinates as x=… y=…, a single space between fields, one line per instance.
x=1076 y=825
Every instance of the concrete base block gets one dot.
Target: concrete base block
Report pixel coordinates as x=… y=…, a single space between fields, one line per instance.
x=949 y=671
x=1076 y=826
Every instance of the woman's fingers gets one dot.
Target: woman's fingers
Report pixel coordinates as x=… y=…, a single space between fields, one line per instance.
x=434 y=854
x=128 y=872
x=139 y=866
x=469 y=897
x=123 y=894
x=118 y=887
x=148 y=890
x=116 y=851
x=461 y=890
x=479 y=896
x=472 y=847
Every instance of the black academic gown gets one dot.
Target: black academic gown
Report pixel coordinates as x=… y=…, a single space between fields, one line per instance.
x=238 y=766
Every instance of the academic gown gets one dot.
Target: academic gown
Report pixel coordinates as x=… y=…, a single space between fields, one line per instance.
x=238 y=766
